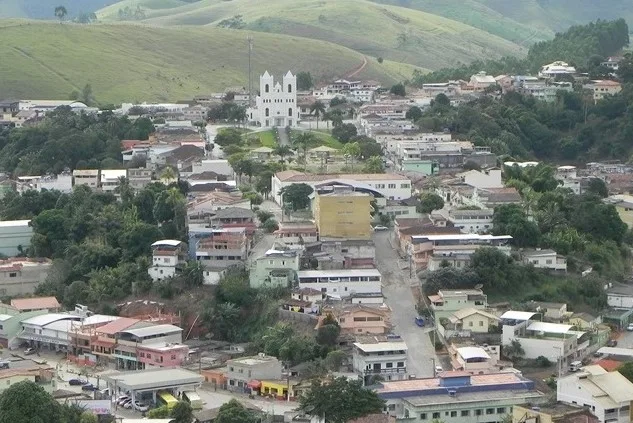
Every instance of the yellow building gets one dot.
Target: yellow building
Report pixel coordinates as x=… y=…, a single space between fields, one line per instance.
x=340 y=212
x=624 y=206
x=557 y=413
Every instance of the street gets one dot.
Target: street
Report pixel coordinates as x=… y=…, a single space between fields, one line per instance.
x=397 y=289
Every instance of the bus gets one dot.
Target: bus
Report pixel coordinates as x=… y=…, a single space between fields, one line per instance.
x=193 y=399
x=165 y=398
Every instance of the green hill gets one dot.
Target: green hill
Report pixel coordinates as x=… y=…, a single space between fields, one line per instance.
x=125 y=62
x=395 y=33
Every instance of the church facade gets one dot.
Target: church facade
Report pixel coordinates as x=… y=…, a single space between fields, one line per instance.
x=276 y=104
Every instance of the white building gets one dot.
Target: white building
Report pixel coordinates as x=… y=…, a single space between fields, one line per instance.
x=620 y=296
x=15 y=235
x=168 y=255
x=383 y=356
x=568 y=177
x=49 y=331
x=389 y=141
x=545 y=259
x=472 y=221
x=556 y=68
x=608 y=395
x=219 y=166
x=488 y=178
x=342 y=282
x=276 y=104
x=88 y=177
x=111 y=178
x=62 y=182
x=391 y=186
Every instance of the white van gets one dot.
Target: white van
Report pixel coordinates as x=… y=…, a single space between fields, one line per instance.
x=193 y=399
x=575 y=366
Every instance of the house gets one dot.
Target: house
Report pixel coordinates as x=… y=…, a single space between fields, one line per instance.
x=345 y=254
x=276 y=268
x=306 y=294
x=474 y=359
x=341 y=283
x=62 y=182
x=9 y=106
x=276 y=104
x=218 y=249
x=218 y=166
x=296 y=234
x=380 y=356
x=607 y=394
x=473 y=320
x=202 y=208
x=385 y=185
x=110 y=179
x=162 y=354
x=354 y=319
x=234 y=217
x=554 y=341
x=550 y=311
x=555 y=413
x=488 y=178
x=545 y=259
x=405 y=208
x=341 y=212
x=585 y=321
x=15 y=237
x=568 y=177
x=555 y=69
x=139 y=178
x=24 y=305
x=241 y=371
x=620 y=296
x=88 y=177
x=603 y=88
x=21 y=276
x=447 y=302
x=458 y=397
x=168 y=257
x=195 y=113
x=472 y=221
x=133 y=341
x=480 y=81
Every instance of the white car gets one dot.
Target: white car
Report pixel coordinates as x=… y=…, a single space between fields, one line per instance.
x=438 y=369
x=127 y=403
x=139 y=406
x=122 y=399
x=380 y=228
x=630 y=327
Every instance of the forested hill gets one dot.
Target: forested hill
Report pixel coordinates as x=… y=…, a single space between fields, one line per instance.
x=579 y=46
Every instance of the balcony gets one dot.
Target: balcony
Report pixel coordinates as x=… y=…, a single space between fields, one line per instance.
x=392 y=371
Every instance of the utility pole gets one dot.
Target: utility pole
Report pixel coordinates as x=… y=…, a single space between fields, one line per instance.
x=250 y=80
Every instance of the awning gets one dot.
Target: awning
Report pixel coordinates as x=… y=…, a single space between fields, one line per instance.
x=254 y=384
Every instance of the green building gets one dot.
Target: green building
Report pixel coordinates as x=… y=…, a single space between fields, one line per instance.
x=274 y=269
x=425 y=167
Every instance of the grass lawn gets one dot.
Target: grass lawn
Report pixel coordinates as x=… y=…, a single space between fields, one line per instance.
x=260 y=139
x=327 y=139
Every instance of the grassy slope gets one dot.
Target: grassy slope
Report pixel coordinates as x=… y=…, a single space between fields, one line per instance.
x=373 y=29
x=133 y=62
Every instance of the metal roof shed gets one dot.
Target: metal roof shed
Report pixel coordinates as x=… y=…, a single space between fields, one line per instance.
x=154 y=380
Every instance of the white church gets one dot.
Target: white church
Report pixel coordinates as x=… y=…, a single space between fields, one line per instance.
x=276 y=104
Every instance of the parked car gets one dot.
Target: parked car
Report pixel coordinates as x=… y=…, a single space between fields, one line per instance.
x=142 y=407
x=380 y=228
x=612 y=343
x=419 y=320
x=122 y=399
x=30 y=351
x=128 y=404
x=77 y=382
x=630 y=327
x=89 y=387
x=438 y=369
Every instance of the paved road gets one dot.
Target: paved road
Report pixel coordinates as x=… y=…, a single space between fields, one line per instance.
x=397 y=288
x=283 y=137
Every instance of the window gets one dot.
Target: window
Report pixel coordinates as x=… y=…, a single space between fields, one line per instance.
x=490 y=410
x=289 y=88
x=423 y=416
x=478 y=412
x=501 y=410
x=267 y=112
x=12 y=275
x=400 y=364
x=266 y=89
x=436 y=415
x=149 y=355
x=290 y=111
x=453 y=413
x=392 y=186
x=481 y=323
x=465 y=413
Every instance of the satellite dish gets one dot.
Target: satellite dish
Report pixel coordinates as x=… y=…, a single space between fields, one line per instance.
x=479 y=286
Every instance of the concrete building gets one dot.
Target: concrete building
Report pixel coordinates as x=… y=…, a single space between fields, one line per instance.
x=15 y=237
x=218 y=248
x=623 y=204
x=296 y=234
x=139 y=178
x=274 y=269
x=341 y=283
x=21 y=276
x=202 y=208
x=620 y=296
x=555 y=69
x=110 y=179
x=126 y=352
x=487 y=178
x=354 y=319
x=476 y=360
x=25 y=305
x=568 y=177
x=608 y=395
x=447 y=302
x=388 y=185
x=545 y=259
x=472 y=221
x=346 y=254
x=219 y=166
x=162 y=354
x=276 y=104
x=603 y=88
x=48 y=331
x=458 y=397
x=88 y=177
x=480 y=81
x=380 y=356
x=341 y=212
x=240 y=371
x=473 y=320
x=62 y=182
x=168 y=257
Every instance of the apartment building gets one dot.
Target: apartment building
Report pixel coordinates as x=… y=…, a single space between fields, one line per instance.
x=458 y=397
x=472 y=221
x=276 y=268
x=218 y=248
x=341 y=212
x=62 y=182
x=341 y=283
x=15 y=237
x=139 y=178
x=448 y=302
x=21 y=276
x=168 y=257
x=380 y=356
x=608 y=395
x=88 y=177
x=296 y=234
x=241 y=371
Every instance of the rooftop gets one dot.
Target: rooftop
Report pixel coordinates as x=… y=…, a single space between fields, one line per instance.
x=421 y=385
x=340 y=272
x=152 y=330
x=47 y=319
x=517 y=315
x=253 y=360
x=296 y=176
x=381 y=346
x=465 y=312
x=10 y=223
x=35 y=303
x=472 y=352
x=154 y=379
x=117 y=325
x=463 y=237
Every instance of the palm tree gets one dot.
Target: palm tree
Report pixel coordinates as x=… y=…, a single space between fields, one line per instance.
x=60 y=13
x=282 y=151
x=318 y=109
x=327 y=117
x=303 y=141
x=352 y=151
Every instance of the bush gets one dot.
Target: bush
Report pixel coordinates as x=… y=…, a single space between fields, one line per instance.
x=542 y=361
x=270 y=225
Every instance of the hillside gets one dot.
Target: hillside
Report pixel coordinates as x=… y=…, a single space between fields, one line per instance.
x=134 y=62
x=43 y=9
x=394 y=33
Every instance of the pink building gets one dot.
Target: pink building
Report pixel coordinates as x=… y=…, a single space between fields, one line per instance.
x=162 y=354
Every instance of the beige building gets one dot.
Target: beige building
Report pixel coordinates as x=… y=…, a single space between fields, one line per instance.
x=340 y=212
x=20 y=276
x=361 y=319
x=603 y=88
x=473 y=320
x=556 y=413
x=88 y=177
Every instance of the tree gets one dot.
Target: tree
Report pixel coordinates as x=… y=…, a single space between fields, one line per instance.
x=282 y=151
x=514 y=350
x=302 y=142
x=27 y=402
x=304 y=81
x=374 y=165
x=298 y=195
x=598 y=187
x=398 y=89
x=158 y=413
x=87 y=96
x=430 y=201
x=317 y=109
x=60 y=13
x=340 y=400
x=414 y=113
x=511 y=219
x=89 y=417
x=234 y=412
x=626 y=370
x=182 y=412
x=344 y=132
x=328 y=333
x=380 y=60
x=351 y=151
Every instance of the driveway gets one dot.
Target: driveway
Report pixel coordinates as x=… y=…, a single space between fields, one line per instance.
x=398 y=289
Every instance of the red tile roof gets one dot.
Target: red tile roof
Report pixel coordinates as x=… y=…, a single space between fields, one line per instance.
x=116 y=326
x=37 y=303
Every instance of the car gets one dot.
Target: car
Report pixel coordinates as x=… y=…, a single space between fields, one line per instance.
x=122 y=399
x=630 y=327
x=380 y=228
x=128 y=404
x=419 y=320
x=89 y=387
x=142 y=407
x=438 y=369
x=612 y=343
x=77 y=382
x=30 y=351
